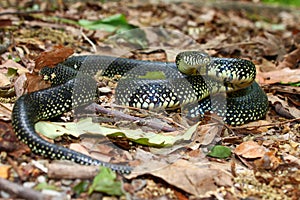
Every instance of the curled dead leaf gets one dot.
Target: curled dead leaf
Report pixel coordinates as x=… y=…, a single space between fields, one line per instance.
x=283 y=108
x=194 y=179
x=290 y=60
x=272 y=45
x=268 y=161
x=250 y=149
x=4 y=80
x=285 y=75
x=12 y=64
x=51 y=58
x=4 y=171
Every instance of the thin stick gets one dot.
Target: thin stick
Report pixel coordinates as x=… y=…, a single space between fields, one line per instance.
x=20 y=191
x=89 y=41
x=98 y=108
x=271 y=124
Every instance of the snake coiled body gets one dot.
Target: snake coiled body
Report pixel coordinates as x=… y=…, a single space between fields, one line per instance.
x=73 y=86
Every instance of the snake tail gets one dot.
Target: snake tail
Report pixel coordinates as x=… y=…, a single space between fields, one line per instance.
x=33 y=107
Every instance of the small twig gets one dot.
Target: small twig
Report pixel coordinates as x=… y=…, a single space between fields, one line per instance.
x=21 y=13
x=20 y=191
x=98 y=108
x=67 y=170
x=168 y=119
x=16 y=168
x=270 y=124
x=239 y=44
x=89 y=41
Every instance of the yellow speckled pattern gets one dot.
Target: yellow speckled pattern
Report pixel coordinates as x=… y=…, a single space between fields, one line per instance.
x=73 y=86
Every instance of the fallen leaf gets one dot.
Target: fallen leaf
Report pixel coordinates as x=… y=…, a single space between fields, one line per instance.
x=250 y=149
x=53 y=57
x=29 y=83
x=5 y=111
x=283 y=108
x=208 y=134
x=4 y=171
x=192 y=178
x=285 y=75
x=106 y=182
x=35 y=82
x=86 y=126
x=259 y=126
x=268 y=161
x=271 y=45
x=290 y=60
x=5 y=22
x=4 y=80
x=220 y=151
x=12 y=64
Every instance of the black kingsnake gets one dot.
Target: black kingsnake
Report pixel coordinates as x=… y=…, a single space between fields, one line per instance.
x=73 y=86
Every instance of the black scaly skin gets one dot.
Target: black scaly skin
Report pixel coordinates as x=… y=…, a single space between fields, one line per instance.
x=33 y=107
x=69 y=92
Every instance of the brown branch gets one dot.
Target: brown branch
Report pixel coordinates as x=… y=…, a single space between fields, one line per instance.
x=16 y=168
x=270 y=124
x=21 y=13
x=68 y=170
x=20 y=191
x=101 y=109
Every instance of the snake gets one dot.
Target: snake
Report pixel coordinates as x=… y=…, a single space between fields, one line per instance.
x=192 y=81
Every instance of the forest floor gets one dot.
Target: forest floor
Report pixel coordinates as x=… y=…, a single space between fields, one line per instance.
x=206 y=160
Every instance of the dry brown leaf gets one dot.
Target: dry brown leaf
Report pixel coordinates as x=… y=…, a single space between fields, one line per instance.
x=207 y=16
x=285 y=75
x=12 y=64
x=268 y=161
x=240 y=21
x=259 y=125
x=4 y=80
x=207 y=134
x=290 y=60
x=79 y=148
x=4 y=171
x=265 y=66
x=250 y=149
x=51 y=58
x=35 y=82
x=216 y=42
x=5 y=111
x=293 y=111
x=193 y=179
x=5 y=22
x=271 y=45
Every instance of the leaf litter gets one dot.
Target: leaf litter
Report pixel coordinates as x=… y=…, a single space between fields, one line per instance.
x=270 y=40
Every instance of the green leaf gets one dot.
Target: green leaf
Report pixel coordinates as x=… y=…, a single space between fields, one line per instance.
x=295 y=84
x=55 y=129
x=11 y=72
x=106 y=182
x=118 y=24
x=17 y=59
x=81 y=187
x=113 y=23
x=220 y=151
x=283 y=2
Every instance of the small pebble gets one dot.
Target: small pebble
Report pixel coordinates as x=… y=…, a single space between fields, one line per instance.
x=54 y=194
x=29 y=184
x=41 y=179
x=105 y=90
x=66 y=182
x=4 y=195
